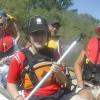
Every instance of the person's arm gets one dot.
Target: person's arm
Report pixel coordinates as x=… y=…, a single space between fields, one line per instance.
x=17 y=32
x=13 y=76
x=60 y=46
x=11 y=87
x=60 y=75
x=78 y=69
x=61 y=78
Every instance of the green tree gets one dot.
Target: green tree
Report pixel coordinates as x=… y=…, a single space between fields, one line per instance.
x=50 y=4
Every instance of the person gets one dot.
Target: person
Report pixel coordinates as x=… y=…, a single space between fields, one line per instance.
x=7 y=47
x=54 y=40
x=87 y=68
x=8 y=37
x=51 y=89
x=11 y=25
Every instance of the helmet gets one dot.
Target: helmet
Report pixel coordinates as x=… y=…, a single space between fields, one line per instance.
x=97 y=29
x=37 y=23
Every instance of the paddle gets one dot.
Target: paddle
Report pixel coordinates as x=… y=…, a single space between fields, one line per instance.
x=58 y=62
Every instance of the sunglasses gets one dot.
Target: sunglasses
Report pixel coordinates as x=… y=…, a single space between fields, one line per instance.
x=56 y=26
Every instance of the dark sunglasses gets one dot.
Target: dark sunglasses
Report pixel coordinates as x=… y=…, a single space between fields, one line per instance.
x=56 y=26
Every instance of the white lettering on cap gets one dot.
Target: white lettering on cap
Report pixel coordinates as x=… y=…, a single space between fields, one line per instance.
x=39 y=21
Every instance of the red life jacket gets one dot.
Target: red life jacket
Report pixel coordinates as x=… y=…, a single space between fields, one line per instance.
x=93 y=50
x=6 y=43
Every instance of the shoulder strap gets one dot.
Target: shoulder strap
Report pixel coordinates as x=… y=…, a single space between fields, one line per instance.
x=28 y=66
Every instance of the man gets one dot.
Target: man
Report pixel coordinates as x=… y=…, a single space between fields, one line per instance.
x=37 y=53
x=87 y=68
x=11 y=26
x=54 y=40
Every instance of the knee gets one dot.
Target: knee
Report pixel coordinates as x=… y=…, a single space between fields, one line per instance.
x=78 y=97
x=98 y=98
x=87 y=94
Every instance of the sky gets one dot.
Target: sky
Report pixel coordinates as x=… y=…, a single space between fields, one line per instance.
x=91 y=7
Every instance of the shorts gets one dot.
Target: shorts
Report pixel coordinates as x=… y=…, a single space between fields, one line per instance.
x=59 y=95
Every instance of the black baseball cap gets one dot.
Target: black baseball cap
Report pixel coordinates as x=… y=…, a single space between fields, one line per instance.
x=37 y=23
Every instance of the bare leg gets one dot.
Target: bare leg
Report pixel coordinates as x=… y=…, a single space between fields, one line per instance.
x=87 y=94
x=78 y=97
x=98 y=98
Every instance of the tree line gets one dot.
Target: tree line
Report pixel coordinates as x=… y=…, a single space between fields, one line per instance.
x=72 y=23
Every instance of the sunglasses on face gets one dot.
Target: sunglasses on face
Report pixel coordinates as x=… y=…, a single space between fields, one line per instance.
x=55 y=26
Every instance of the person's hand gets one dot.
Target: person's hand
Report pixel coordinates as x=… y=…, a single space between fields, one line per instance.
x=80 y=84
x=55 y=67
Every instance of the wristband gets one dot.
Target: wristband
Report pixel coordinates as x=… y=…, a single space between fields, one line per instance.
x=17 y=97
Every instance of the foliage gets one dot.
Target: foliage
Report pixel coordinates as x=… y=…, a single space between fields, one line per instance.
x=72 y=23
x=58 y=4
